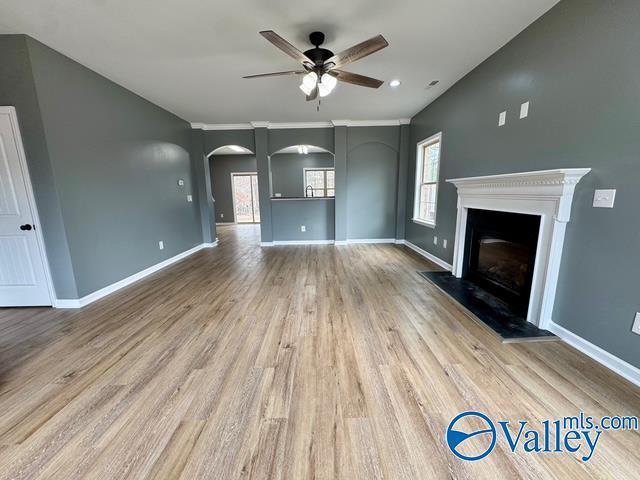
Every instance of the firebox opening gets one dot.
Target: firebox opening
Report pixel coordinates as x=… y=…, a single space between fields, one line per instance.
x=500 y=251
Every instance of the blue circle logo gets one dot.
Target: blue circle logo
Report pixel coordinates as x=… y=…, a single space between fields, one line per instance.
x=471 y=436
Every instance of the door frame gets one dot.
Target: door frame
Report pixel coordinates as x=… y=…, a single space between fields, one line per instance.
x=22 y=159
x=233 y=197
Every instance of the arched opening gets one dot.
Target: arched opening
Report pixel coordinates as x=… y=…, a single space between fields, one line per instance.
x=302 y=191
x=302 y=171
x=234 y=185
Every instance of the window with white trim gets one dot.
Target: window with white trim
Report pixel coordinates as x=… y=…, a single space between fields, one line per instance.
x=319 y=182
x=427 y=172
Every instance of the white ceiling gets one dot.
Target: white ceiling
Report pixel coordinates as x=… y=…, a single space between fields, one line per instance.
x=188 y=56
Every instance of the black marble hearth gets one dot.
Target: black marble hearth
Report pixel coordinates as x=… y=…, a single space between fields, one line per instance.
x=508 y=322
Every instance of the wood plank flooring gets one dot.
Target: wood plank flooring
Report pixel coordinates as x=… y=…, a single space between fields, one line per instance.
x=286 y=362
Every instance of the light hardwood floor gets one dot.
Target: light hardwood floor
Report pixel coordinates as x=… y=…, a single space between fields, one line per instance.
x=285 y=362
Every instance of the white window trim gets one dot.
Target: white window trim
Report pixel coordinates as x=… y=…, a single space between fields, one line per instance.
x=304 y=180
x=419 y=167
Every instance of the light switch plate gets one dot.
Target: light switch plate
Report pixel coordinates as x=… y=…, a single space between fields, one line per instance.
x=435 y=240
x=189 y=198
x=636 y=324
x=524 y=110
x=444 y=243
x=161 y=245
x=604 y=198
x=502 y=118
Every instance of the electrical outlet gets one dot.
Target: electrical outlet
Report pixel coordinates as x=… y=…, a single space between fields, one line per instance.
x=435 y=240
x=444 y=243
x=161 y=245
x=636 y=324
x=189 y=198
x=524 y=110
x=181 y=183
x=303 y=228
x=502 y=118
x=222 y=215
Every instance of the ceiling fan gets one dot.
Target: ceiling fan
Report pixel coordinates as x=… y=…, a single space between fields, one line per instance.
x=321 y=68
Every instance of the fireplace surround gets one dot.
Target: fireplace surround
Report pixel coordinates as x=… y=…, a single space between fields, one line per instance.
x=546 y=194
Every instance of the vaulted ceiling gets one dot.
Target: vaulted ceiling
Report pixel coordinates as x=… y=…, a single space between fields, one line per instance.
x=188 y=56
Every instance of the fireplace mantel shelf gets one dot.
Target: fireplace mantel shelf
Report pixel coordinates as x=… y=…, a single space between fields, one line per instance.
x=547 y=193
x=561 y=176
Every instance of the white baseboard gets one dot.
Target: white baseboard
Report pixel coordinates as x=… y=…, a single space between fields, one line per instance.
x=125 y=282
x=370 y=240
x=400 y=241
x=610 y=361
x=340 y=242
x=266 y=244
x=427 y=255
x=303 y=242
x=225 y=223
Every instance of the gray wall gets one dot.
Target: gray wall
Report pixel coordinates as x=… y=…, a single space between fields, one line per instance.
x=370 y=177
x=316 y=215
x=17 y=89
x=579 y=66
x=372 y=181
x=114 y=160
x=287 y=171
x=221 y=168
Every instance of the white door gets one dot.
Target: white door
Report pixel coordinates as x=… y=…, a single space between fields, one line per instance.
x=23 y=280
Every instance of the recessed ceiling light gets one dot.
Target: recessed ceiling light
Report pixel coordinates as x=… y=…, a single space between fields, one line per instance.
x=394 y=83
x=236 y=148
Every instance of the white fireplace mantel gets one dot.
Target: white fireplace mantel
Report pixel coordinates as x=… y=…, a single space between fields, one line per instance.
x=547 y=193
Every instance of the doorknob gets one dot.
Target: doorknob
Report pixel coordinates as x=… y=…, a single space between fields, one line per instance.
x=26 y=226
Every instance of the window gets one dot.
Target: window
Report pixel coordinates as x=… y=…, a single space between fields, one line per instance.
x=427 y=171
x=319 y=182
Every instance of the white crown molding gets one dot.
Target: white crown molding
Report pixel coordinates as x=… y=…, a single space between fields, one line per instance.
x=545 y=193
x=610 y=361
x=125 y=282
x=222 y=126
x=294 y=125
x=283 y=125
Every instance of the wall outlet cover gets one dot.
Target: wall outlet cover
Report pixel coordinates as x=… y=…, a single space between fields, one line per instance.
x=604 y=198
x=222 y=215
x=524 y=110
x=502 y=118
x=161 y=245
x=189 y=198
x=303 y=228
x=444 y=243
x=636 y=324
x=181 y=183
x=435 y=240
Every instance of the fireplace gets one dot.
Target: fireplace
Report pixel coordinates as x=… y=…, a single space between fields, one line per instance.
x=500 y=254
x=545 y=194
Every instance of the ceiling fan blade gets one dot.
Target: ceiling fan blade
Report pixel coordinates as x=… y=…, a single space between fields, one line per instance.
x=313 y=95
x=275 y=74
x=285 y=46
x=358 y=51
x=356 y=79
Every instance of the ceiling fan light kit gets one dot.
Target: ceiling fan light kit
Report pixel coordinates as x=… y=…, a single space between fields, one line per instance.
x=321 y=67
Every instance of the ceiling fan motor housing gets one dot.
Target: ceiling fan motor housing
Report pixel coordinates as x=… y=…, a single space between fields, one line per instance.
x=318 y=55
